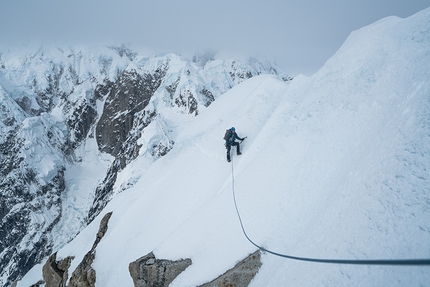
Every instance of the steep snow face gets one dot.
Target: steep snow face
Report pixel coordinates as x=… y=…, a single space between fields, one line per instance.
x=357 y=183
x=334 y=166
x=72 y=119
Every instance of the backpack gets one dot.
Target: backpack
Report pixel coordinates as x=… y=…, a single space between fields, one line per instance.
x=228 y=135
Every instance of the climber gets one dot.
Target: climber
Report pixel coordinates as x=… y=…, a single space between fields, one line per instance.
x=230 y=137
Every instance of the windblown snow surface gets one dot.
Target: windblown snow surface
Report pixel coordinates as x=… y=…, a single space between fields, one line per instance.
x=336 y=165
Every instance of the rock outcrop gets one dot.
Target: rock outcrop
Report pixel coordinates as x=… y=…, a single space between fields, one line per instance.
x=148 y=271
x=85 y=275
x=55 y=274
x=240 y=275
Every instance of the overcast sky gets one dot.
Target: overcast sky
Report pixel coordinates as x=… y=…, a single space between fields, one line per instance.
x=299 y=35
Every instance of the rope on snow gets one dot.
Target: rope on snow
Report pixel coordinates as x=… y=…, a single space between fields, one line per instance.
x=325 y=260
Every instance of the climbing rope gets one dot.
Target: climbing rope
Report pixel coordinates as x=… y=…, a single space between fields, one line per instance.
x=324 y=260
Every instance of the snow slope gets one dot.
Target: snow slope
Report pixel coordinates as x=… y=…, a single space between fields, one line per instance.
x=334 y=166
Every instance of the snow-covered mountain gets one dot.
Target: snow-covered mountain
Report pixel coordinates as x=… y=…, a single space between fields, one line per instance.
x=73 y=120
x=334 y=166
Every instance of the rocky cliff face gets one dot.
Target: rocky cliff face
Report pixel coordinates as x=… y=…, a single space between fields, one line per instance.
x=55 y=102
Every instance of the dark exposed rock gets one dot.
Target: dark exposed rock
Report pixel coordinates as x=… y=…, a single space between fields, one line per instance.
x=237 y=74
x=85 y=275
x=38 y=284
x=208 y=96
x=3 y=208
x=15 y=225
x=79 y=124
x=120 y=126
x=102 y=229
x=103 y=191
x=148 y=271
x=187 y=100
x=171 y=89
x=128 y=152
x=129 y=95
x=6 y=116
x=240 y=275
x=160 y=149
x=9 y=153
x=55 y=274
x=47 y=97
x=103 y=90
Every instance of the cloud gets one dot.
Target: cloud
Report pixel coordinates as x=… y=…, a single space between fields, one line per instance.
x=299 y=35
